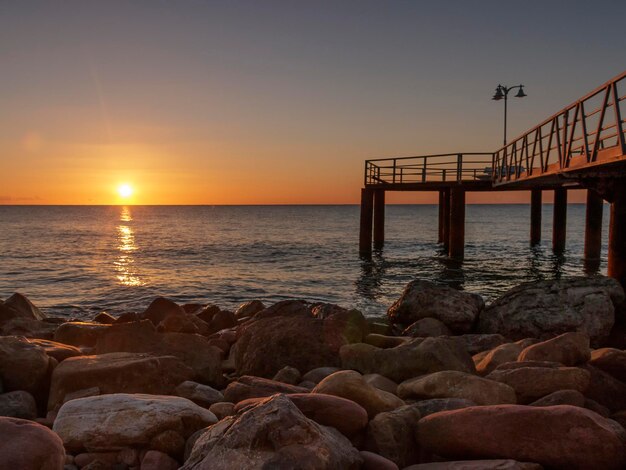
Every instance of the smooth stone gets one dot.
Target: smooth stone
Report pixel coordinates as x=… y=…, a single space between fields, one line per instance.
x=249 y=309
x=18 y=404
x=59 y=351
x=384 y=341
x=427 y=327
x=392 y=435
x=272 y=434
x=77 y=333
x=155 y=460
x=454 y=384
x=288 y=375
x=116 y=421
x=381 y=383
x=27 y=445
x=435 y=405
x=351 y=385
x=492 y=464
x=200 y=394
x=568 y=349
x=502 y=354
x=561 y=397
x=20 y=306
x=24 y=366
x=318 y=374
x=605 y=389
x=372 y=461
x=544 y=435
x=159 y=309
x=610 y=360
x=85 y=458
x=475 y=343
x=222 y=409
x=27 y=327
x=253 y=387
x=105 y=318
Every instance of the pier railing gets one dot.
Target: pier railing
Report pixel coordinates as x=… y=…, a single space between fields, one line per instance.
x=587 y=132
x=453 y=167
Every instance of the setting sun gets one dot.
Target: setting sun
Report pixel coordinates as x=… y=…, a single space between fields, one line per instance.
x=125 y=190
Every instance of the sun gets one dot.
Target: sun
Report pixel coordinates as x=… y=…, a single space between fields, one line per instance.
x=125 y=190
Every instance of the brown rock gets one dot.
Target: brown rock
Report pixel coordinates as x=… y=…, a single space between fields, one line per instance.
x=392 y=435
x=200 y=394
x=475 y=343
x=384 y=342
x=350 y=384
x=222 y=320
x=435 y=405
x=318 y=374
x=562 y=397
x=249 y=309
x=253 y=387
x=59 y=351
x=492 y=464
x=159 y=309
x=27 y=445
x=526 y=433
x=104 y=318
x=155 y=460
x=170 y=442
x=427 y=327
x=18 y=305
x=605 y=389
x=288 y=375
x=500 y=355
x=531 y=383
x=18 y=404
x=80 y=333
x=207 y=313
x=381 y=383
x=27 y=327
x=222 y=409
x=454 y=384
x=610 y=360
x=568 y=349
x=177 y=323
x=372 y=461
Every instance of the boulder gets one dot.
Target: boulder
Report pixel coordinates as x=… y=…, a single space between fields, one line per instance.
x=381 y=383
x=562 y=397
x=18 y=305
x=491 y=464
x=248 y=386
x=426 y=327
x=222 y=409
x=476 y=343
x=27 y=327
x=569 y=349
x=116 y=421
x=502 y=354
x=222 y=320
x=454 y=384
x=24 y=366
x=59 y=351
x=605 y=389
x=372 y=461
x=105 y=318
x=392 y=435
x=351 y=385
x=18 y=404
x=421 y=299
x=249 y=309
x=531 y=383
x=344 y=415
x=288 y=375
x=183 y=324
x=384 y=341
x=551 y=436
x=77 y=333
x=155 y=460
x=435 y=405
x=117 y=373
x=610 y=360
x=545 y=309
x=159 y=309
x=420 y=356
x=27 y=445
x=318 y=374
x=200 y=394
x=272 y=434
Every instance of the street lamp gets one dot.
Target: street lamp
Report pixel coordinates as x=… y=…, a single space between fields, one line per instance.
x=503 y=92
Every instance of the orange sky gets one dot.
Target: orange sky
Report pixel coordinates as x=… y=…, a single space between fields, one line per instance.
x=229 y=103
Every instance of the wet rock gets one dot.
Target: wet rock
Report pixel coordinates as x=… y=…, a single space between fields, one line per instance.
x=420 y=356
x=207 y=313
x=351 y=385
x=222 y=320
x=59 y=351
x=116 y=421
x=392 y=435
x=200 y=394
x=526 y=433
x=28 y=445
x=18 y=306
x=531 y=383
x=118 y=373
x=77 y=333
x=249 y=309
x=454 y=384
x=272 y=434
x=381 y=383
x=253 y=387
x=159 y=309
x=104 y=318
x=502 y=354
x=610 y=360
x=288 y=375
x=562 y=397
x=28 y=328
x=435 y=405
x=456 y=309
x=24 y=366
x=18 y=404
x=427 y=327
x=568 y=349
x=545 y=309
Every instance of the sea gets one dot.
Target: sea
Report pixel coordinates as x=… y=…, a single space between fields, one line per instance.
x=77 y=261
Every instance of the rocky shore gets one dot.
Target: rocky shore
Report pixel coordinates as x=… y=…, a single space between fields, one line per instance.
x=536 y=379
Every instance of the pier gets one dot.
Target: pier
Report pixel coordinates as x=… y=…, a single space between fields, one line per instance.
x=583 y=146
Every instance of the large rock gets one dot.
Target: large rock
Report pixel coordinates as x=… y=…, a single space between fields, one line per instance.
x=200 y=394
x=344 y=415
x=568 y=349
x=26 y=445
x=605 y=389
x=27 y=327
x=287 y=334
x=392 y=435
x=18 y=404
x=435 y=405
x=454 y=384
x=253 y=387
x=141 y=337
x=160 y=308
x=113 y=422
x=491 y=464
x=77 y=333
x=18 y=306
x=117 y=373
x=551 y=436
x=59 y=351
x=24 y=366
x=501 y=355
x=610 y=360
x=531 y=383
x=427 y=327
x=544 y=309
x=351 y=385
x=456 y=309
x=272 y=434
x=418 y=357
x=476 y=343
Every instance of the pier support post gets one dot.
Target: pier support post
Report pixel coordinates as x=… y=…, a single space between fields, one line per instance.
x=593 y=231
x=444 y=217
x=617 y=236
x=457 y=223
x=365 y=232
x=559 y=221
x=535 y=217
x=379 y=218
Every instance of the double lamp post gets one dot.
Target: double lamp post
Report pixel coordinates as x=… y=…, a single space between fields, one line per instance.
x=503 y=92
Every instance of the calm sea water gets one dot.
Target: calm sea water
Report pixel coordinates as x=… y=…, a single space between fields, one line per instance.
x=77 y=261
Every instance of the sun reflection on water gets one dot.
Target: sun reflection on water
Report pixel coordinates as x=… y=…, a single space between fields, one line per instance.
x=124 y=263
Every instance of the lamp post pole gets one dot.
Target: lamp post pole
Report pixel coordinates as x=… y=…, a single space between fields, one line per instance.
x=503 y=92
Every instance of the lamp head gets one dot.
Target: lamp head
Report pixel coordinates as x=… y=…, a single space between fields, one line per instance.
x=498 y=95
x=520 y=93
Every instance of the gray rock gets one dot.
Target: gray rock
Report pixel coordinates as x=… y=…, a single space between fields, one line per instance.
x=426 y=327
x=18 y=404
x=435 y=405
x=200 y=394
x=392 y=435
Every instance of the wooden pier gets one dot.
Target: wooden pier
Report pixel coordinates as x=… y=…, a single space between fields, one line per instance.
x=583 y=146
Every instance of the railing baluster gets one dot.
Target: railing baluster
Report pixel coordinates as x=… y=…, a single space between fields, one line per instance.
x=424 y=171
x=394 y=170
x=618 y=119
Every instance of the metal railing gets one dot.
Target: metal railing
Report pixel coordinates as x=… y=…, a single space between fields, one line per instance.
x=453 y=167
x=575 y=136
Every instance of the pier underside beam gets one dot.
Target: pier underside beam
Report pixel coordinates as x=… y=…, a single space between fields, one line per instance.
x=593 y=231
x=444 y=217
x=617 y=235
x=535 y=217
x=365 y=232
x=559 y=221
x=379 y=218
x=457 y=223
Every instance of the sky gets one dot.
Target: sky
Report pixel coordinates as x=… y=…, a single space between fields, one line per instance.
x=276 y=102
